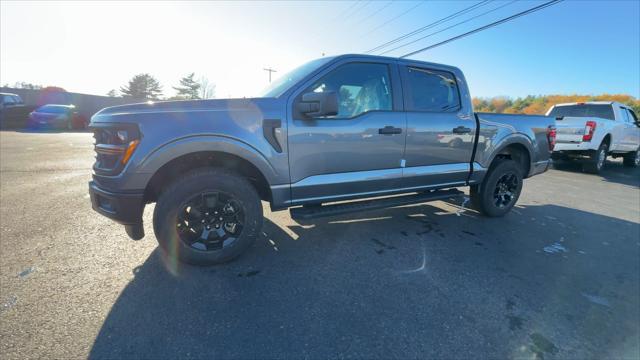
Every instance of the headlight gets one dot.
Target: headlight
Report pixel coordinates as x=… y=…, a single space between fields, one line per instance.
x=123 y=135
x=114 y=146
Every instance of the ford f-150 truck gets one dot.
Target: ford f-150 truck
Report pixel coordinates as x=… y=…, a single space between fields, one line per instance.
x=591 y=131
x=336 y=135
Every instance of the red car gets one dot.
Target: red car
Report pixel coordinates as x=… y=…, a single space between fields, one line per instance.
x=57 y=116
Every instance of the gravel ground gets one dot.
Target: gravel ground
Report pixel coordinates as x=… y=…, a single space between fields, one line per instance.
x=559 y=277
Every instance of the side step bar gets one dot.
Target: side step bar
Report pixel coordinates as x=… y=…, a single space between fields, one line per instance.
x=313 y=212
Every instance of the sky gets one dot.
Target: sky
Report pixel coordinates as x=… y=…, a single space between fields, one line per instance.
x=579 y=46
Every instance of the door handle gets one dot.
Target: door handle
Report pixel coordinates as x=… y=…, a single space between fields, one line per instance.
x=389 y=130
x=461 y=130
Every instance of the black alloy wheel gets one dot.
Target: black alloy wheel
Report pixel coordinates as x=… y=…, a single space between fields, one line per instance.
x=505 y=190
x=210 y=221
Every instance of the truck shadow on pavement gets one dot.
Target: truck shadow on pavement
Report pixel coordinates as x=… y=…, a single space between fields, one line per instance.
x=613 y=172
x=417 y=281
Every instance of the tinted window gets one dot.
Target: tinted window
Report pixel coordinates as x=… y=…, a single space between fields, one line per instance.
x=361 y=87
x=625 y=115
x=632 y=117
x=8 y=99
x=432 y=90
x=584 y=110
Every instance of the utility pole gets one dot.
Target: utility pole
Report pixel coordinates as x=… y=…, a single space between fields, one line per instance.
x=270 y=70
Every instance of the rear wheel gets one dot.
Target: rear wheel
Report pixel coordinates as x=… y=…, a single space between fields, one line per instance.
x=499 y=190
x=598 y=159
x=207 y=217
x=632 y=159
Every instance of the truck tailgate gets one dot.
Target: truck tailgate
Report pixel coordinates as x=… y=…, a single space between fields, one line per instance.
x=570 y=130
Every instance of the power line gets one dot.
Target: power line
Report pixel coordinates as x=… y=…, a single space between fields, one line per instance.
x=342 y=12
x=394 y=18
x=449 y=27
x=358 y=8
x=353 y=4
x=447 y=18
x=529 y=11
x=374 y=13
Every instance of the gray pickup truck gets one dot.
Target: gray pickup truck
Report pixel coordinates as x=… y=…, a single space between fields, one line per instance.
x=349 y=127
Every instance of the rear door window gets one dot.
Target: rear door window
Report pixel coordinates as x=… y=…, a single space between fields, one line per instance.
x=431 y=90
x=625 y=115
x=633 y=118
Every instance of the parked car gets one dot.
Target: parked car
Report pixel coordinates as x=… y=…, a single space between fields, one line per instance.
x=12 y=110
x=591 y=131
x=10 y=101
x=57 y=116
x=337 y=128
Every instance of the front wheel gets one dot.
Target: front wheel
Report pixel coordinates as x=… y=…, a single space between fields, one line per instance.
x=207 y=217
x=499 y=190
x=632 y=159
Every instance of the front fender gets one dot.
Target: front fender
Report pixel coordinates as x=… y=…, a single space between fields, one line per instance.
x=161 y=155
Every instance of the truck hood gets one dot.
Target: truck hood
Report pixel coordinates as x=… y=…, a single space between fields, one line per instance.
x=186 y=106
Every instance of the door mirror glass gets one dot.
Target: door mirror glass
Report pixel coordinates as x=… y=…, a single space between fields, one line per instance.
x=316 y=104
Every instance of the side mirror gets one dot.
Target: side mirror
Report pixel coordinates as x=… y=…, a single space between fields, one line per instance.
x=316 y=104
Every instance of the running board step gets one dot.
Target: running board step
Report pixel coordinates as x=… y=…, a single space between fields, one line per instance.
x=313 y=212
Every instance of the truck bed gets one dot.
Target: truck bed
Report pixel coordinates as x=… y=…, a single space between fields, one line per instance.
x=496 y=127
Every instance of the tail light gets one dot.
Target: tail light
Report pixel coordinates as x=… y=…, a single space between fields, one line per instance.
x=551 y=137
x=589 y=129
x=114 y=146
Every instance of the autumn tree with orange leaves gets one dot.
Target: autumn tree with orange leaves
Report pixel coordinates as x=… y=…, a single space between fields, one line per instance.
x=541 y=103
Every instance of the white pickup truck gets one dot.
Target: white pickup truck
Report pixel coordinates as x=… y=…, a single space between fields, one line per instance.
x=591 y=131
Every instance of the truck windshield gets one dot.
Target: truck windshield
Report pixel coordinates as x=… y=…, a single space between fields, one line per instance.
x=284 y=82
x=584 y=110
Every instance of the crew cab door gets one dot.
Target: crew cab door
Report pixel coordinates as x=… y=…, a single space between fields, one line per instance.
x=356 y=152
x=630 y=133
x=441 y=127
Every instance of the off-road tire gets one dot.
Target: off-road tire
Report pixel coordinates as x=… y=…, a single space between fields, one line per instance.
x=483 y=195
x=197 y=182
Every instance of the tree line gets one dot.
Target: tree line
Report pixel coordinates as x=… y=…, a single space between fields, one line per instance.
x=145 y=86
x=539 y=104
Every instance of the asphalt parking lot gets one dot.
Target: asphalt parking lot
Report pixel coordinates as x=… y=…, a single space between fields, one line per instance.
x=559 y=277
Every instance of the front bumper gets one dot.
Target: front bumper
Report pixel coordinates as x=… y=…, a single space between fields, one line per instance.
x=123 y=208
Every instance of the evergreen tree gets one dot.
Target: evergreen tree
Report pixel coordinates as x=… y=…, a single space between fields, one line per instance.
x=189 y=88
x=142 y=86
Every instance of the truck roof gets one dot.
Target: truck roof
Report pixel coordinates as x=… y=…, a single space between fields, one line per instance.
x=400 y=60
